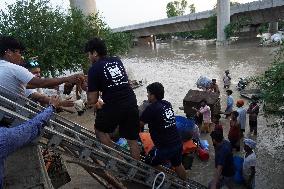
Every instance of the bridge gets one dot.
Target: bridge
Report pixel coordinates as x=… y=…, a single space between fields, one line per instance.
x=259 y=12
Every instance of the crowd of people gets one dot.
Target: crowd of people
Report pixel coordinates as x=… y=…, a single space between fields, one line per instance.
x=115 y=105
x=224 y=162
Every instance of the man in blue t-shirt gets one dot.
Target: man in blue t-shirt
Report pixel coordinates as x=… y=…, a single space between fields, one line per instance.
x=14 y=138
x=108 y=76
x=224 y=163
x=230 y=103
x=159 y=116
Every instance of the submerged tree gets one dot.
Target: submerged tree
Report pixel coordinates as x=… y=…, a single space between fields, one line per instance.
x=56 y=36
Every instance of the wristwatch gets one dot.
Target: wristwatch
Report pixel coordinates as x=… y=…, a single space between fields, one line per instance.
x=53 y=107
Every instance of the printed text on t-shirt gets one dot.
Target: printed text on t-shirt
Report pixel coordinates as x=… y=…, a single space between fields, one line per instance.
x=114 y=72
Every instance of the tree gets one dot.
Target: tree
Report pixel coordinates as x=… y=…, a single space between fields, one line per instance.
x=57 y=37
x=235 y=26
x=176 y=8
x=210 y=29
x=192 y=8
x=271 y=84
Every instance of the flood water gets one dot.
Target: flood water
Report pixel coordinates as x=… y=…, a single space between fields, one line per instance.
x=178 y=65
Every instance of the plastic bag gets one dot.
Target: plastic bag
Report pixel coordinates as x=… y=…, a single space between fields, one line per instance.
x=204 y=144
x=203 y=82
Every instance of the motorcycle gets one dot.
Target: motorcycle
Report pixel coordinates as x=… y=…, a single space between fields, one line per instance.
x=242 y=84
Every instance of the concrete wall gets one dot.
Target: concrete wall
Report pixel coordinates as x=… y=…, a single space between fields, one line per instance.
x=87 y=6
x=259 y=12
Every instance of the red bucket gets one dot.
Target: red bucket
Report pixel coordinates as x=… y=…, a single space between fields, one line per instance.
x=203 y=154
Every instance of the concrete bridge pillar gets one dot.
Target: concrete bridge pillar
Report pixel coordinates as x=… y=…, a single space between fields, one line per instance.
x=223 y=19
x=147 y=40
x=86 y=6
x=273 y=27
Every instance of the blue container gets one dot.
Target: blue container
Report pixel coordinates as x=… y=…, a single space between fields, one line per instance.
x=122 y=142
x=238 y=163
x=185 y=127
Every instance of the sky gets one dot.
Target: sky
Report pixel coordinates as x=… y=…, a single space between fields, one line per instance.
x=118 y=13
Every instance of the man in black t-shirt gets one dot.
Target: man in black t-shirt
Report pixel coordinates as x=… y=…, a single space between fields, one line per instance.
x=224 y=162
x=159 y=116
x=108 y=75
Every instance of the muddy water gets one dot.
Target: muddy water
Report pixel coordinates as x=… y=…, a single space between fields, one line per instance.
x=178 y=64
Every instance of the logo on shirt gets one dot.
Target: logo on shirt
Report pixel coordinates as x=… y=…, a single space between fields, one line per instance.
x=115 y=73
x=168 y=117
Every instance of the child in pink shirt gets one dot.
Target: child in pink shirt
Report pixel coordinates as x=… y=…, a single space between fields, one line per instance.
x=206 y=113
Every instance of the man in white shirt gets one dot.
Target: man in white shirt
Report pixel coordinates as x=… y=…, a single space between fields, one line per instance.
x=38 y=95
x=242 y=115
x=249 y=163
x=227 y=79
x=15 y=77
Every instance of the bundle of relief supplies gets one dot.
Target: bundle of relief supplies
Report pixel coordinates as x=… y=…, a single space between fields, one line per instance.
x=203 y=82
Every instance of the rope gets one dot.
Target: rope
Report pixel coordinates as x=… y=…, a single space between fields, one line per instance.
x=163 y=178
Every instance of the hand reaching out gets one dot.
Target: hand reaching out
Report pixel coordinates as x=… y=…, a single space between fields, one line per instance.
x=66 y=103
x=76 y=78
x=55 y=101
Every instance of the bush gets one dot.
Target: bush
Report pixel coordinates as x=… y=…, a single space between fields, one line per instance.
x=234 y=27
x=271 y=84
x=56 y=36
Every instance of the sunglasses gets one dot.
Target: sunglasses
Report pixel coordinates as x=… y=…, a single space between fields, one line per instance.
x=33 y=63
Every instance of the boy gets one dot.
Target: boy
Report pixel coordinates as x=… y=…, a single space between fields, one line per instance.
x=218 y=127
x=206 y=113
x=214 y=87
x=253 y=111
x=159 y=116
